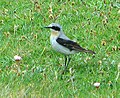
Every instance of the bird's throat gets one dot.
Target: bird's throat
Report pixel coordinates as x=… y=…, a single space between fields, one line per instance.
x=54 y=34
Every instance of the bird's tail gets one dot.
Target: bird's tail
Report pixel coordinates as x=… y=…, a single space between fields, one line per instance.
x=80 y=49
x=89 y=51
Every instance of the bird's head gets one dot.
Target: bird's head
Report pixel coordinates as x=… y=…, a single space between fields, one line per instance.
x=54 y=27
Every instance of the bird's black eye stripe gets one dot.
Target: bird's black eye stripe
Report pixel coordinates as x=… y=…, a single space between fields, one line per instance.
x=56 y=28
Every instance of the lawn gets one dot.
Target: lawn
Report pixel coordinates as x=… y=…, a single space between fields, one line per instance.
x=94 y=24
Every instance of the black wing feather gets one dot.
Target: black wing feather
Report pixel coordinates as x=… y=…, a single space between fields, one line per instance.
x=71 y=45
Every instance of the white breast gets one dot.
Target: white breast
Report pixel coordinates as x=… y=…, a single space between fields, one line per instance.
x=56 y=46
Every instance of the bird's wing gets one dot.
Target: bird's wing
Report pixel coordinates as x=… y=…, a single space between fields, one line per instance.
x=71 y=45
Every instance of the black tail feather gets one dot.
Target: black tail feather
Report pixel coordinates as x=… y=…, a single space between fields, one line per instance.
x=89 y=51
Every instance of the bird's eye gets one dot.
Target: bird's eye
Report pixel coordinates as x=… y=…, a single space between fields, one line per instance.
x=56 y=28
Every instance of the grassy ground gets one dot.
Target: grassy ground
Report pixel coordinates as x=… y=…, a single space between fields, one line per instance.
x=93 y=24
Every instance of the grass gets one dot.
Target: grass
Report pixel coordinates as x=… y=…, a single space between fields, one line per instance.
x=93 y=24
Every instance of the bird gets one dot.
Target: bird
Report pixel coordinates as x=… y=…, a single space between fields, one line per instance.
x=62 y=44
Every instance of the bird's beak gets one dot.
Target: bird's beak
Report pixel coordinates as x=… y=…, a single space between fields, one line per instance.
x=47 y=27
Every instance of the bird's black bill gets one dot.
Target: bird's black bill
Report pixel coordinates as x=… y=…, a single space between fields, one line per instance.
x=47 y=27
x=54 y=28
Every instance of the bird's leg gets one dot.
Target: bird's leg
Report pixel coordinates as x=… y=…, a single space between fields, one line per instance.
x=65 y=60
x=69 y=58
x=65 y=66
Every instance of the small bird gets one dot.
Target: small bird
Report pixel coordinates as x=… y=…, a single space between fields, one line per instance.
x=61 y=43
